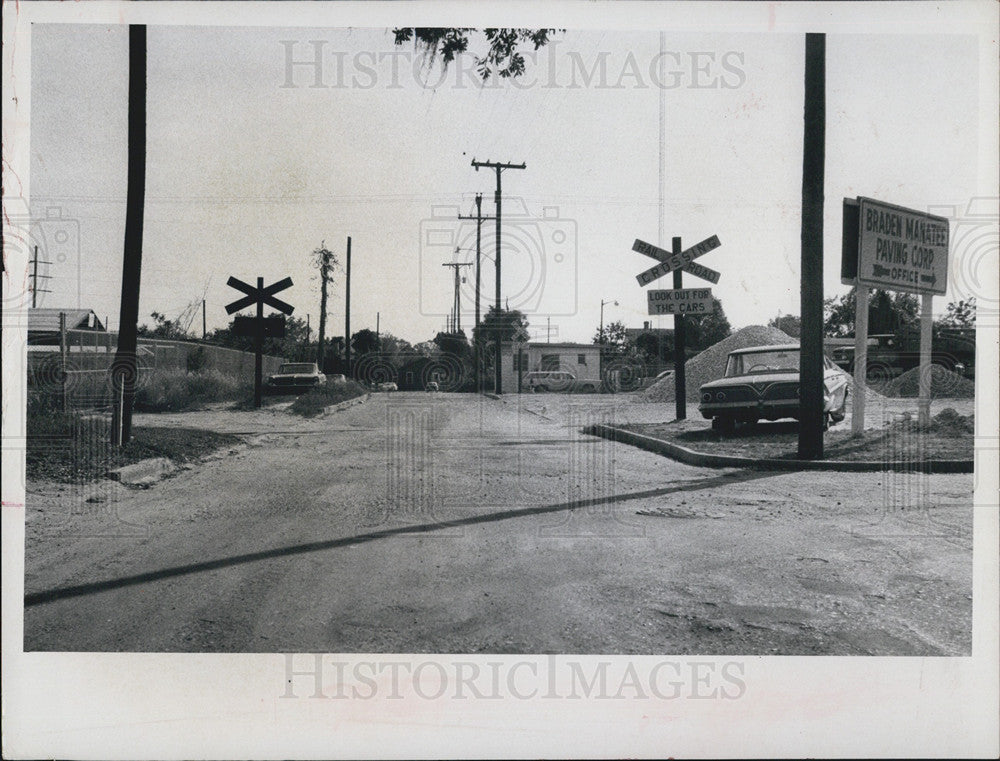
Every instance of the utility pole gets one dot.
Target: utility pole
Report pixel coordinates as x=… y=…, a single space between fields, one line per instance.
x=204 y=322
x=125 y=369
x=35 y=290
x=347 y=310
x=479 y=254
x=456 y=303
x=811 y=305
x=308 y=331
x=680 y=382
x=499 y=167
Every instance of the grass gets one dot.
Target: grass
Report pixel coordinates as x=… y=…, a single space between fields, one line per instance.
x=71 y=447
x=316 y=400
x=948 y=437
x=179 y=391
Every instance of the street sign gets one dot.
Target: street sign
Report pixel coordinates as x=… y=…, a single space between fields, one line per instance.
x=262 y=295
x=669 y=261
x=681 y=301
x=267 y=327
x=692 y=268
x=902 y=249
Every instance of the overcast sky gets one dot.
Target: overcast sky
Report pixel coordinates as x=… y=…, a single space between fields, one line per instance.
x=246 y=175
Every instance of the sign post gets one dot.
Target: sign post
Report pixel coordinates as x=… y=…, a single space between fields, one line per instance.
x=259 y=296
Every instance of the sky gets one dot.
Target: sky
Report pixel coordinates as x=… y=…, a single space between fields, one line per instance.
x=252 y=163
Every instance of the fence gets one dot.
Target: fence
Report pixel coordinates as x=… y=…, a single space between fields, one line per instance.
x=79 y=377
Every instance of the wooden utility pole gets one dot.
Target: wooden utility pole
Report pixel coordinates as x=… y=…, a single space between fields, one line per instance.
x=498 y=359
x=204 y=322
x=456 y=302
x=62 y=360
x=811 y=412
x=680 y=382
x=124 y=370
x=347 y=310
x=479 y=255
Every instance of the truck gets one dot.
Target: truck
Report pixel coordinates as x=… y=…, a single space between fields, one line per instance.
x=892 y=354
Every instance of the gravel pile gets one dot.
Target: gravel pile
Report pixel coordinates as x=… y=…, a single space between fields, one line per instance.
x=944 y=385
x=710 y=365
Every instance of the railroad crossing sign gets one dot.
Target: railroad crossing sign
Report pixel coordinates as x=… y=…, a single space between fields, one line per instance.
x=681 y=301
x=670 y=261
x=259 y=295
x=692 y=268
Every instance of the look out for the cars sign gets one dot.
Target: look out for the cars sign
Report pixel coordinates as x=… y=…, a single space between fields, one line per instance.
x=902 y=249
x=681 y=301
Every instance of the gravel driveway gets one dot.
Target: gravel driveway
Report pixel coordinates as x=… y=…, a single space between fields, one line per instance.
x=451 y=523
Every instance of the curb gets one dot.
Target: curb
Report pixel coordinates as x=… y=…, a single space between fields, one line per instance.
x=144 y=472
x=703 y=459
x=345 y=405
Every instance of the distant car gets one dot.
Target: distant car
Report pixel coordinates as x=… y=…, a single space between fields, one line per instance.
x=294 y=378
x=559 y=380
x=388 y=386
x=432 y=386
x=763 y=382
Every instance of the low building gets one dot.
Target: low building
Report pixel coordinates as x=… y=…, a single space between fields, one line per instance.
x=582 y=360
x=43 y=324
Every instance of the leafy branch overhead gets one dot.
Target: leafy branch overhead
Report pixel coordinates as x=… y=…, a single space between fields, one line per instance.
x=502 y=57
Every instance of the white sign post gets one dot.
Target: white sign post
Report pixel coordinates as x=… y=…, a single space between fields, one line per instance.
x=681 y=301
x=898 y=250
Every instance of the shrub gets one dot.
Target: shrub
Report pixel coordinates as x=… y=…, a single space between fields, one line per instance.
x=177 y=390
x=318 y=399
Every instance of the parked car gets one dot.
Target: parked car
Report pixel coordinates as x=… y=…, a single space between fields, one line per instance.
x=432 y=386
x=891 y=354
x=559 y=380
x=762 y=382
x=294 y=378
x=387 y=386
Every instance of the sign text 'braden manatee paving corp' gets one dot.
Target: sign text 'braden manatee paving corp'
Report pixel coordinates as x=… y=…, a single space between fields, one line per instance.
x=902 y=249
x=681 y=301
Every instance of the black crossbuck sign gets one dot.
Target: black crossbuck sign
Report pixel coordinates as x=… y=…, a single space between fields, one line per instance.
x=261 y=295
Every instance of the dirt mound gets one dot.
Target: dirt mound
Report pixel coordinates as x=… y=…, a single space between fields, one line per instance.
x=711 y=363
x=944 y=385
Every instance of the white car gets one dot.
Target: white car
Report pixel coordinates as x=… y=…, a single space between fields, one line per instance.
x=295 y=378
x=388 y=386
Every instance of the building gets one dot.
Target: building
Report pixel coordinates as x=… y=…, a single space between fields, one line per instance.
x=582 y=360
x=43 y=324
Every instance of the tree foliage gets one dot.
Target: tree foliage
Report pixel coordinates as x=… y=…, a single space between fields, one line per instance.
x=163 y=328
x=704 y=330
x=790 y=324
x=502 y=56
x=960 y=314
x=887 y=313
x=365 y=341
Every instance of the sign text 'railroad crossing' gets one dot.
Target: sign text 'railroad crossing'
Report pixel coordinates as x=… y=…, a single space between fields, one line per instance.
x=259 y=296
x=670 y=261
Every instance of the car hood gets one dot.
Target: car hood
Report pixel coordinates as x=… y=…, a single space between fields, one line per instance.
x=757 y=379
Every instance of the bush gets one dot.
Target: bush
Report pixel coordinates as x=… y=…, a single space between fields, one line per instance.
x=177 y=390
x=318 y=399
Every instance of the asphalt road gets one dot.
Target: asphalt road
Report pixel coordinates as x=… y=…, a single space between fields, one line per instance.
x=450 y=523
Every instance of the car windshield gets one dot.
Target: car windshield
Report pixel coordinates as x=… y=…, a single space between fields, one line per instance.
x=298 y=367
x=762 y=362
